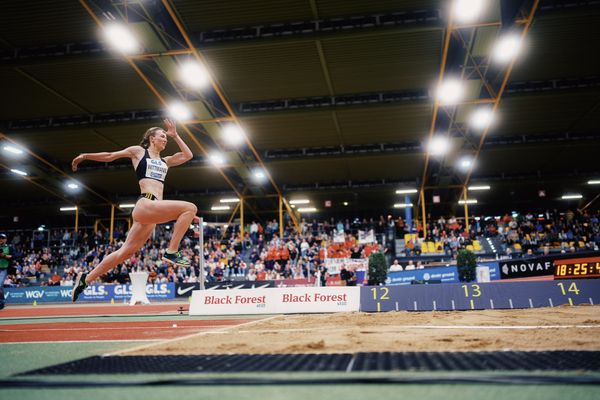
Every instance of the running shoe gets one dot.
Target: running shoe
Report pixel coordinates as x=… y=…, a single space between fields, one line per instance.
x=79 y=286
x=176 y=259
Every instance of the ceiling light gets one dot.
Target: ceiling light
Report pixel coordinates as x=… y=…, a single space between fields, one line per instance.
x=571 y=196
x=229 y=200
x=259 y=175
x=68 y=208
x=127 y=205
x=439 y=145
x=450 y=91
x=179 y=111
x=465 y=163
x=481 y=187
x=120 y=37
x=220 y=208
x=506 y=48
x=594 y=182
x=406 y=191
x=466 y=11
x=18 y=172
x=233 y=134
x=13 y=150
x=481 y=118
x=300 y=201
x=469 y=201
x=217 y=159
x=345 y=203
x=307 y=209
x=72 y=186
x=403 y=205
x=193 y=74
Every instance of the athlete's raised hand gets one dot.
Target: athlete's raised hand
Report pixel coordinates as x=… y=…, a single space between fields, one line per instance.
x=171 y=128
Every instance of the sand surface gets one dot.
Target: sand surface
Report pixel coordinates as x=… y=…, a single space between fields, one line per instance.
x=559 y=328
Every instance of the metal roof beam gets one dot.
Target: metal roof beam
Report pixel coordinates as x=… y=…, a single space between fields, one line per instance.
x=291 y=105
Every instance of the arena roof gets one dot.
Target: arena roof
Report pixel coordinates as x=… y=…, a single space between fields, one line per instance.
x=336 y=97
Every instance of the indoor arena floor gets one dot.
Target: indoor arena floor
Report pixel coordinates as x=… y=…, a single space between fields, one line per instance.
x=34 y=338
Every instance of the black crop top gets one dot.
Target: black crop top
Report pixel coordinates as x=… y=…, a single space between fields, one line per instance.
x=150 y=168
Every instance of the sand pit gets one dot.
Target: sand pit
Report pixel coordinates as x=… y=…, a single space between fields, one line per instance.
x=560 y=328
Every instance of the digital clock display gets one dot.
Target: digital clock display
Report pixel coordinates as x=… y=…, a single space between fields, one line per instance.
x=577 y=268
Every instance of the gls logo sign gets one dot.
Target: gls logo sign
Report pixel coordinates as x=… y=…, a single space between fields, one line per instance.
x=98 y=290
x=125 y=290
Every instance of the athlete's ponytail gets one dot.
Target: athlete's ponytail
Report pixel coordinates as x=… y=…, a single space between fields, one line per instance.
x=145 y=143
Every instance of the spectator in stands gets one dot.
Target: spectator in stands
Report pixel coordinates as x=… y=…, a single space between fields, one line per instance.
x=395 y=266
x=410 y=266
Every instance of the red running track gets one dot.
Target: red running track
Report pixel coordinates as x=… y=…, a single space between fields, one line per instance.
x=108 y=309
x=99 y=331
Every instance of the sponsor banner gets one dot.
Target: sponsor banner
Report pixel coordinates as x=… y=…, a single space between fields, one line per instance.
x=494 y=269
x=426 y=275
x=185 y=289
x=159 y=291
x=479 y=296
x=39 y=294
x=334 y=265
x=366 y=237
x=275 y=301
x=526 y=267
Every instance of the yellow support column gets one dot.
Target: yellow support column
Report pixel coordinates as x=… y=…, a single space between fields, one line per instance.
x=76 y=219
x=424 y=216
x=112 y=222
x=466 y=209
x=280 y=216
x=242 y=217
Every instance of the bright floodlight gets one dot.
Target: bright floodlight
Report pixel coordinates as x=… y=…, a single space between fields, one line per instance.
x=220 y=208
x=13 y=150
x=68 y=208
x=594 y=182
x=345 y=203
x=180 y=111
x=72 y=186
x=469 y=201
x=450 y=91
x=481 y=118
x=300 y=201
x=217 y=159
x=193 y=74
x=18 y=172
x=403 y=205
x=571 y=196
x=480 y=187
x=465 y=163
x=126 y=205
x=466 y=11
x=438 y=146
x=229 y=200
x=233 y=134
x=406 y=191
x=307 y=209
x=506 y=48
x=120 y=37
x=259 y=175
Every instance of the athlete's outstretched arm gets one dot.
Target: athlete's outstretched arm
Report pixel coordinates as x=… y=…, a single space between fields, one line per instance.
x=180 y=157
x=129 y=152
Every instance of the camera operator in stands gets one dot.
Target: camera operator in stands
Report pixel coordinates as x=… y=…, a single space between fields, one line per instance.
x=348 y=275
x=6 y=255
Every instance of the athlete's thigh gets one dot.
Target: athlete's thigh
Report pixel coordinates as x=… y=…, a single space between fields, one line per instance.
x=158 y=212
x=138 y=235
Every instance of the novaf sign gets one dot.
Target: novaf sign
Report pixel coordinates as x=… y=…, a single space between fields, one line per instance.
x=526 y=267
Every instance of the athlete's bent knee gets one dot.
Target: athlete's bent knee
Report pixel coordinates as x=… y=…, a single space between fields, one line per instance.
x=191 y=207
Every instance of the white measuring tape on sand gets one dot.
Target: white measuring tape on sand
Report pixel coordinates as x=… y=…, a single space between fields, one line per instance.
x=395 y=328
